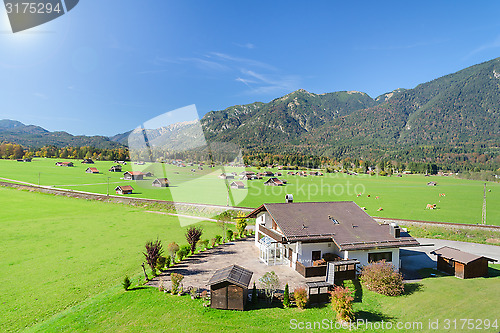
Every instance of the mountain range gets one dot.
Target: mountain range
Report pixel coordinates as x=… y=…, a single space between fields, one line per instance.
x=456 y=109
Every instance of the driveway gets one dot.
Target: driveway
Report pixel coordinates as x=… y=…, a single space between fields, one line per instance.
x=198 y=269
x=415 y=258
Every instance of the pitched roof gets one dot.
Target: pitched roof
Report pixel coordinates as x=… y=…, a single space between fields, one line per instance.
x=457 y=255
x=135 y=173
x=234 y=274
x=344 y=222
x=238 y=183
x=93 y=169
x=274 y=180
x=125 y=188
x=162 y=181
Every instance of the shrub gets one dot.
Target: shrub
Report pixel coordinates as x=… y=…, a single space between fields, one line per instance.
x=286 y=297
x=254 y=294
x=194 y=292
x=381 y=278
x=193 y=235
x=218 y=238
x=382 y=173
x=168 y=260
x=213 y=242
x=126 y=283
x=300 y=295
x=183 y=251
x=172 y=249
x=153 y=251
x=341 y=301
x=241 y=223
x=229 y=234
x=176 y=281
x=203 y=244
x=160 y=263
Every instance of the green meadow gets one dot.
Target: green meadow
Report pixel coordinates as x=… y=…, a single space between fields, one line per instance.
x=392 y=197
x=59 y=251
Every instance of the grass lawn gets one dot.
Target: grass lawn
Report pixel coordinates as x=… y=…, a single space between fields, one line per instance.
x=147 y=310
x=404 y=197
x=58 y=251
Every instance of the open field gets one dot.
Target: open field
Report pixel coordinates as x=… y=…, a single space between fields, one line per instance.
x=404 y=197
x=152 y=311
x=58 y=251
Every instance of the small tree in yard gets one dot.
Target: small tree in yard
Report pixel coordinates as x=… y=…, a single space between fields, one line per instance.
x=183 y=251
x=381 y=278
x=286 y=297
x=229 y=235
x=153 y=251
x=172 y=249
x=241 y=224
x=193 y=235
x=301 y=299
x=176 y=281
x=223 y=220
x=341 y=301
x=126 y=283
x=270 y=283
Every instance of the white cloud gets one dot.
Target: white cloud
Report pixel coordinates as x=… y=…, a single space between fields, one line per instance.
x=245 y=45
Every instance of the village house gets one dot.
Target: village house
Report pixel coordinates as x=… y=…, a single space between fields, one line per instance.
x=461 y=264
x=161 y=182
x=274 y=182
x=237 y=185
x=66 y=164
x=92 y=170
x=226 y=176
x=133 y=175
x=247 y=173
x=88 y=161
x=306 y=236
x=125 y=189
x=268 y=174
x=115 y=168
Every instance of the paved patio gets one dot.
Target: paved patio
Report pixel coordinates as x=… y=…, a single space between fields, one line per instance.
x=198 y=269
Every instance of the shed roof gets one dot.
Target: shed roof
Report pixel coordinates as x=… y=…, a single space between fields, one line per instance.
x=234 y=274
x=135 y=173
x=93 y=169
x=125 y=188
x=163 y=181
x=238 y=183
x=344 y=222
x=457 y=255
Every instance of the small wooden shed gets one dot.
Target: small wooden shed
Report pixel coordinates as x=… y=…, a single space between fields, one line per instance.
x=115 y=168
x=461 y=264
x=229 y=288
x=92 y=170
x=161 y=182
x=126 y=189
x=133 y=175
x=237 y=185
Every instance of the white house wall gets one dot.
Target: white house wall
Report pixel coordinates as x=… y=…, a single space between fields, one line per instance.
x=362 y=256
x=305 y=253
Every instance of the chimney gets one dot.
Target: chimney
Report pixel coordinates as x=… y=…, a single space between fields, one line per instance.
x=395 y=230
x=289 y=198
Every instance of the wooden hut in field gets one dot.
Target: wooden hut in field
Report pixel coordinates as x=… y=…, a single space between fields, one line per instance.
x=88 y=161
x=66 y=164
x=461 y=264
x=274 y=182
x=115 y=168
x=160 y=182
x=126 y=189
x=229 y=288
x=237 y=185
x=92 y=170
x=133 y=175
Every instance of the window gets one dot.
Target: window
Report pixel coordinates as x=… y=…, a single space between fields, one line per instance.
x=316 y=255
x=387 y=256
x=323 y=290
x=313 y=291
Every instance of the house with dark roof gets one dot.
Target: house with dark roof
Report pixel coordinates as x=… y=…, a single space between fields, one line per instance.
x=463 y=265
x=92 y=170
x=88 y=161
x=125 y=189
x=133 y=175
x=237 y=185
x=229 y=288
x=307 y=235
x=274 y=182
x=115 y=168
x=160 y=182
x=66 y=164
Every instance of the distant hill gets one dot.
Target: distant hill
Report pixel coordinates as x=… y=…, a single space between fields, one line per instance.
x=35 y=136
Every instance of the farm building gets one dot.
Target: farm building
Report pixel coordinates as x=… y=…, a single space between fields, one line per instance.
x=461 y=264
x=431 y=184
x=149 y=174
x=247 y=173
x=66 y=164
x=229 y=288
x=133 y=175
x=24 y=160
x=268 y=174
x=308 y=235
x=161 y=182
x=92 y=170
x=126 y=189
x=226 y=176
x=274 y=182
x=237 y=185
x=88 y=161
x=115 y=168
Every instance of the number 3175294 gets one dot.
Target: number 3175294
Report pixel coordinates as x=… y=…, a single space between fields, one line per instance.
x=32 y=8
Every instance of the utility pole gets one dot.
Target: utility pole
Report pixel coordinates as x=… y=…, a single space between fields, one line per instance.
x=483 y=217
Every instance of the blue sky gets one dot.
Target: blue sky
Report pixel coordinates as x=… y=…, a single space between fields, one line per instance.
x=108 y=66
